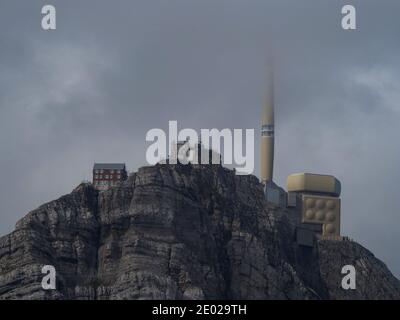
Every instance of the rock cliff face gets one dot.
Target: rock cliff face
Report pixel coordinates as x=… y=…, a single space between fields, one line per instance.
x=179 y=232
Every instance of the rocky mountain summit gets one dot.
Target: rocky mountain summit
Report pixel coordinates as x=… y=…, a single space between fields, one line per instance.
x=179 y=232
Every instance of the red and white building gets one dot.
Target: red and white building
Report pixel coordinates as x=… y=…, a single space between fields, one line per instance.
x=106 y=175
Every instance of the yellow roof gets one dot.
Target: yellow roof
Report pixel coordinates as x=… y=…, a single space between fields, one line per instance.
x=314 y=183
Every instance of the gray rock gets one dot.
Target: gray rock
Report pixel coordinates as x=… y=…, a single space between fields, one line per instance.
x=179 y=232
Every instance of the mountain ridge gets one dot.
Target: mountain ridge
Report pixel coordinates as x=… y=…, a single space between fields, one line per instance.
x=179 y=232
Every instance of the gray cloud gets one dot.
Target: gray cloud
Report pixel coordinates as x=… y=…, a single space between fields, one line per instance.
x=90 y=90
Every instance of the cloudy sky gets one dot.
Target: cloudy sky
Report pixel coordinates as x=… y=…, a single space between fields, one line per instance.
x=90 y=91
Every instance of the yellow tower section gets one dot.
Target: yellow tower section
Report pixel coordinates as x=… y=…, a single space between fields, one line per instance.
x=267 y=135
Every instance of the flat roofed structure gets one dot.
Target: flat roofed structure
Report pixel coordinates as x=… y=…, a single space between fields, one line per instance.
x=106 y=175
x=314 y=183
x=109 y=166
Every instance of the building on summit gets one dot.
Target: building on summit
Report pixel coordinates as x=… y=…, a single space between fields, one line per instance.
x=313 y=198
x=106 y=175
x=182 y=152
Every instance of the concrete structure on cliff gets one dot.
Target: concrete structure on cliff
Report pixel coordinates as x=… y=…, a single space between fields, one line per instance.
x=313 y=197
x=273 y=193
x=268 y=136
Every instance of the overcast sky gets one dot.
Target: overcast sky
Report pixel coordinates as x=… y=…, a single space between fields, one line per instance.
x=90 y=91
